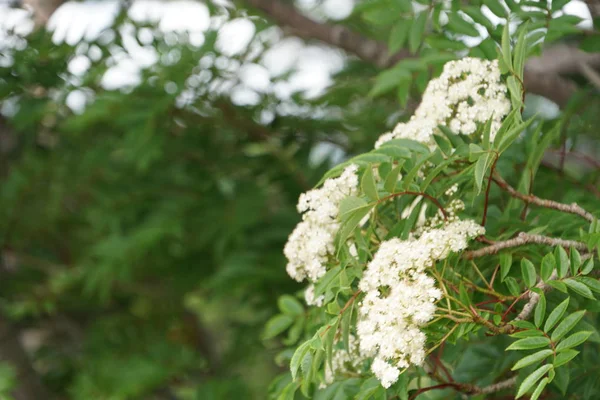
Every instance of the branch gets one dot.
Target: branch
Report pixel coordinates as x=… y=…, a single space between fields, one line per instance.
x=521 y=240
x=496 y=387
x=42 y=10
x=568 y=208
x=337 y=35
x=541 y=74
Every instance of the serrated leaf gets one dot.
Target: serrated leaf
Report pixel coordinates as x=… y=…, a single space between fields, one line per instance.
x=513 y=286
x=532 y=379
x=505 y=264
x=566 y=325
x=539 y=389
x=529 y=343
x=416 y=31
x=564 y=357
x=444 y=144
x=323 y=283
x=532 y=359
x=556 y=315
x=579 y=288
x=548 y=265
x=540 y=310
x=562 y=261
x=368 y=185
x=298 y=357
x=528 y=272
x=575 y=259
x=574 y=340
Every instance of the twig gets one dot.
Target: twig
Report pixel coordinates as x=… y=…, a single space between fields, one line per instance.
x=496 y=387
x=487 y=191
x=521 y=240
x=431 y=198
x=568 y=208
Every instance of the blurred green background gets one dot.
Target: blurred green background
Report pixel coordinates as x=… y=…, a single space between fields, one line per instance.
x=148 y=183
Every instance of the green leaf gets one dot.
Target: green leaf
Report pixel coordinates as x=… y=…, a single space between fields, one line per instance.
x=444 y=144
x=532 y=359
x=532 y=379
x=388 y=80
x=575 y=259
x=416 y=31
x=350 y=204
x=592 y=283
x=480 y=168
x=566 y=325
x=277 y=325
x=588 y=266
x=368 y=185
x=323 y=283
x=520 y=52
x=404 y=86
x=527 y=333
x=579 y=288
x=539 y=389
x=298 y=357
x=290 y=305
x=528 y=272
x=392 y=179
x=556 y=315
x=398 y=35
x=558 y=285
x=351 y=222
x=506 y=57
x=574 y=340
x=562 y=261
x=496 y=7
x=478 y=16
x=505 y=264
x=513 y=286
x=459 y=25
x=564 y=357
x=529 y=343
x=540 y=310
x=548 y=265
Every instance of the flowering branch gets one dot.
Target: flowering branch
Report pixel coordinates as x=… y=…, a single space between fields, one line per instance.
x=568 y=208
x=521 y=240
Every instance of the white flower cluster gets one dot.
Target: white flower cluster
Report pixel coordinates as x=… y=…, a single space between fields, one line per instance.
x=344 y=361
x=469 y=91
x=312 y=241
x=400 y=297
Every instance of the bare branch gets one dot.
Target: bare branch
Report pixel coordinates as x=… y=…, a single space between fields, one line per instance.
x=568 y=208
x=521 y=240
x=496 y=387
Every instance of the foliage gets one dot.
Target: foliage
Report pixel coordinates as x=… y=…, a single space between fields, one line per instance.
x=142 y=235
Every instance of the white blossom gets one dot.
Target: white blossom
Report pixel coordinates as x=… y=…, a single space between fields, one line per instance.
x=312 y=242
x=309 y=297
x=467 y=93
x=400 y=297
